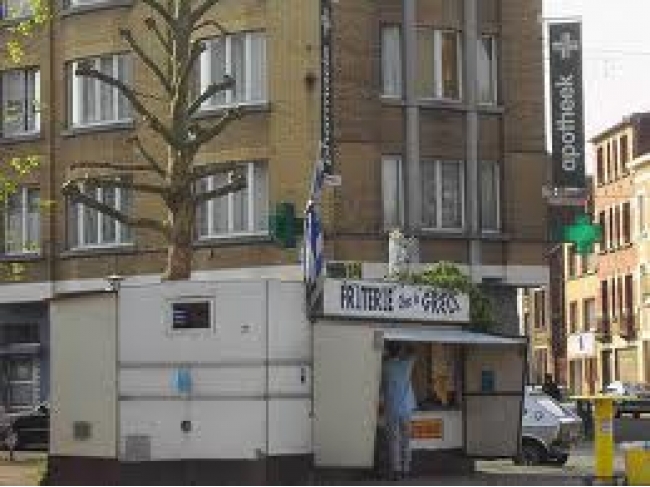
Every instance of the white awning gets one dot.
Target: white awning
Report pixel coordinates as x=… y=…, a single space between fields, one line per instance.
x=447 y=335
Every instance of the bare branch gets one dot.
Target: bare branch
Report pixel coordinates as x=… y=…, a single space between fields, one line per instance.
x=153 y=164
x=110 y=166
x=205 y=135
x=129 y=94
x=227 y=84
x=114 y=182
x=160 y=10
x=128 y=37
x=207 y=170
x=152 y=25
x=201 y=10
x=222 y=30
x=237 y=184
x=197 y=49
x=71 y=190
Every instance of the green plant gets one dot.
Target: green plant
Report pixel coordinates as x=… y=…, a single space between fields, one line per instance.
x=445 y=275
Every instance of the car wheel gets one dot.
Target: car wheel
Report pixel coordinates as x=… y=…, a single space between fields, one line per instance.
x=531 y=454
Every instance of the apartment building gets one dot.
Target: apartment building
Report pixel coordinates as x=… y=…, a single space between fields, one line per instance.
x=438 y=128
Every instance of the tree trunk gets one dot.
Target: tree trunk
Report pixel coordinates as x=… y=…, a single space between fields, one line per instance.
x=179 y=253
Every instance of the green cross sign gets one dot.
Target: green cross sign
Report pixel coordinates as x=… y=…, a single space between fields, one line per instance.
x=583 y=234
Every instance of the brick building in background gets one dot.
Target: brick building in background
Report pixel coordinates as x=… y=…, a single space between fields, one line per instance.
x=438 y=127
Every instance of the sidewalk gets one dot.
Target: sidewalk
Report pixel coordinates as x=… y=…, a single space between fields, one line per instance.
x=26 y=469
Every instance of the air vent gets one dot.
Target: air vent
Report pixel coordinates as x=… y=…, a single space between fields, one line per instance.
x=81 y=430
x=137 y=448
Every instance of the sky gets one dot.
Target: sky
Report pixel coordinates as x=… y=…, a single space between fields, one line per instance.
x=616 y=57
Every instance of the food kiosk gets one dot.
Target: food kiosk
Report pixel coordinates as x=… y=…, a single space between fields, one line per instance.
x=468 y=385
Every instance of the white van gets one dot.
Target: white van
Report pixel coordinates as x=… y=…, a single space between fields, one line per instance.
x=548 y=430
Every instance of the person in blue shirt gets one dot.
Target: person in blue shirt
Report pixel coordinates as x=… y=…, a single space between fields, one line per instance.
x=399 y=404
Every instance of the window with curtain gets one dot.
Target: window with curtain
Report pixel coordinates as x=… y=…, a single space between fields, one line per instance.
x=442 y=194
x=438 y=64
x=490 y=186
x=22 y=223
x=93 y=102
x=391 y=61
x=21 y=102
x=236 y=214
x=90 y=228
x=241 y=56
x=392 y=184
x=487 y=74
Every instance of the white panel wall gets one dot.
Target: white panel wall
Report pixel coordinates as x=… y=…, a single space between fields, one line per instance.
x=83 y=360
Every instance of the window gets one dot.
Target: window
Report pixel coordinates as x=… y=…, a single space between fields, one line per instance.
x=21 y=112
x=16 y=9
x=391 y=61
x=626 y=223
x=19 y=333
x=439 y=64
x=617 y=227
x=600 y=169
x=22 y=228
x=625 y=157
x=640 y=214
x=90 y=228
x=392 y=189
x=615 y=157
x=573 y=316
x=487 y=78
x=191 y=315
x=589 y=314
x=539 y=301
x=76 y=3
x=94 y=102
x=571 y=261
x=242 y=213
x=490 y=180
x=442 y=194
x=21 y=378
x=241 y=56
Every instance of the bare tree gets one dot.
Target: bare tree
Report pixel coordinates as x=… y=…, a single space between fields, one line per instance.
x=175 y=24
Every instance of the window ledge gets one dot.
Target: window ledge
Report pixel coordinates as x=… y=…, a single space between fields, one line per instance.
x=82 y=9
x=245 y=108
x=26 y=257
x=21 y=138
x=99 y=251
x=93 y=129
x=207 y=242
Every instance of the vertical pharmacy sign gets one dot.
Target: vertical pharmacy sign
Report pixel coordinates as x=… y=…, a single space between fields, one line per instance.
x=326 y=85
x=567 y=116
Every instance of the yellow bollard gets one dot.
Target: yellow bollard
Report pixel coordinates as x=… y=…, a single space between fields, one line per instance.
x=604 y=437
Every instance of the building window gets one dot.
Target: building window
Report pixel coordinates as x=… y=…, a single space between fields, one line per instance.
x=241 y=56
x=17 y=9
x=90 y=228
x=573 y=317
x=392 y=192
x=439 y=64
x=640 y=214
x=19 y=333
x=22 y=228
x=539 y=301
x=600 y=168
x=21 y=113
x=487 y=74
x=22 y=382
x=625 y=155
x=617 y=169
x=626 y=223
x=77 y=3
x=242 y=213
x=442 y=194
x=490 y=181
x=571 y=261
x=97 y=103
x=391 y=61
x=589 y=314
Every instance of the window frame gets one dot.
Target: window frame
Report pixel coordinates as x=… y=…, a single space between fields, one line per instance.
x=398 y=163
x=75 y=107
x=438 y=84
x=24 y=199
x=205 y=70
x=208 y=207
x=497 y=183
x=35 y=99
x=384 y=62
x=439 y=210
x=494 y=70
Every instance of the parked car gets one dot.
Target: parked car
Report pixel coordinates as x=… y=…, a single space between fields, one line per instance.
x=548 y=431
x=28 y=430
x=635 y=400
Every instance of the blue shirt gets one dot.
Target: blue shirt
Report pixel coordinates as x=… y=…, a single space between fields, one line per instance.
x=399 y=400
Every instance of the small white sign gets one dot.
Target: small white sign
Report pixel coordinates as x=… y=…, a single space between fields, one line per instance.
x=581 y=345
x=393 y=301
x=333 y=180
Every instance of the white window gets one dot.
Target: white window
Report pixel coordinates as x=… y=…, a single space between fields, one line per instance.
x=439 y=67
x=640 y=214
x=392 y=192
x=22 y=382
x=244 y=212
x=391 y=61
x=487 y=77
x=490 y=181
x=443 y=192
x=21 y=112
x=17 y=9
x=241 y=56
x=91 y=228
x=22 y=226
x=94 y=102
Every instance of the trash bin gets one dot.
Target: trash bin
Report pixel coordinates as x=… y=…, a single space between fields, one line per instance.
x=637 y=462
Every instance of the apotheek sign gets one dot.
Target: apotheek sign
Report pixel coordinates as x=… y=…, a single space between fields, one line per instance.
x=393 y=301
x=567 y=117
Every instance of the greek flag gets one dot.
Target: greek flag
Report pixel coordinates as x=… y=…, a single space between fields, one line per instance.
x=314 y=259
